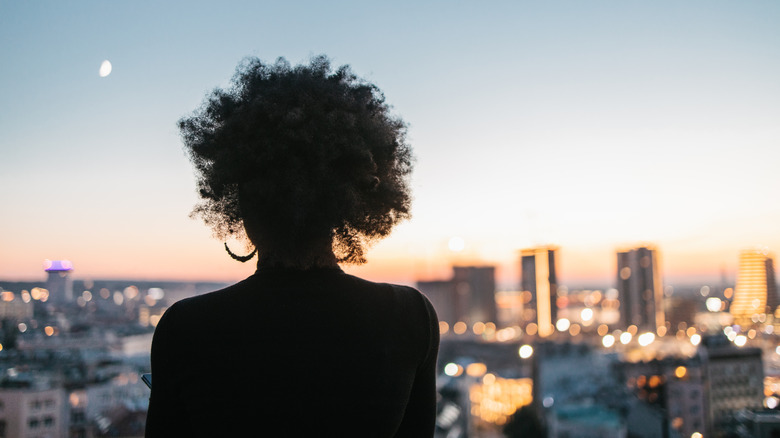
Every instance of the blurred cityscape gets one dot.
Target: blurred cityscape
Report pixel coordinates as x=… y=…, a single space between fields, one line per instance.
x=636 y=358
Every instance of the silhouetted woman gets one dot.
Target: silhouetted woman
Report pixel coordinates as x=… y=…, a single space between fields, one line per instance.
x=309 y=165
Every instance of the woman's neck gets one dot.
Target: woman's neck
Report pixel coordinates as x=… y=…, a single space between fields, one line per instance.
x=317 y=254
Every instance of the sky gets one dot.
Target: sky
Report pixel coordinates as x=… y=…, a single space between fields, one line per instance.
x=592 y=126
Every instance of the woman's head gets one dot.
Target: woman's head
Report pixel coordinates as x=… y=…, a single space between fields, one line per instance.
x=297 y=156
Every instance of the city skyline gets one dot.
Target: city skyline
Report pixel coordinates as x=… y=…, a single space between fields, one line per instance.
x=587 y=127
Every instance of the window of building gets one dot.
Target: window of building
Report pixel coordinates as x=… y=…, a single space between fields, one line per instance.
x=33 y=423
x=77 y=417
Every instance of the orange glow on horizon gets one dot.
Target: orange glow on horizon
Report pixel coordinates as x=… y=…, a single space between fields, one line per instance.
x=206 y=260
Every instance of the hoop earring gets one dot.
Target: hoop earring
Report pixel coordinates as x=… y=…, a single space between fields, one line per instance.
x=242 y=259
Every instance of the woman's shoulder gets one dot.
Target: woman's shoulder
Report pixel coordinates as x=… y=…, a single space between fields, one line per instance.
x=397 y=292
x=196 y=308
x=409 y=303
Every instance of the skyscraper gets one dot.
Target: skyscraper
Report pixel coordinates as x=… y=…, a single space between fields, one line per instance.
x=58 y=282
x=756 y=291
x=470 y=296
x=537 y=267
x=477 y=286
x=640 y=289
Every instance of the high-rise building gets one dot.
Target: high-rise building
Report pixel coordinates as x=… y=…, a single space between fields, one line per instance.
x=468 y=297
x=734 y=378
x=477 y=285
x=58 y=282
x=441 y=294
x=537 y=267
x=640 y=289
x=756 y=290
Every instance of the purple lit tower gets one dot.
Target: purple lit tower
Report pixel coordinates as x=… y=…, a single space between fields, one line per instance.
x=59 y=283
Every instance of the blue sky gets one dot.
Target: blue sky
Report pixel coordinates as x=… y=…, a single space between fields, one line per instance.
x=589 y=125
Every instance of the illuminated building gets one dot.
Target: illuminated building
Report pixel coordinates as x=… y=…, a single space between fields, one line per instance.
x=496 y=399
x=58 y=282
x=510 y=307
x=640 y=289
x=468 y=297
x=537 y=267
x=756 y=292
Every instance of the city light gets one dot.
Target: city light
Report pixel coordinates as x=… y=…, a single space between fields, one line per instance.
x=608 y=341
x=496 y=399
x=453 y=369
x=586 y=314
x=476 y=369
x=696 y=339
x=740 y=340
x=526 y=351
x=646 y=339
x=713 y=304
x=156 y=293
x=680 y=372
x=506 y=334
x=625 y=338
x=562 y=325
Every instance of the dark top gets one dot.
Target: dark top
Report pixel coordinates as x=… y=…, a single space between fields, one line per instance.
x=296 y=353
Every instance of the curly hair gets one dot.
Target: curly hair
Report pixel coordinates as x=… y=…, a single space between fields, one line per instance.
x=299 y=153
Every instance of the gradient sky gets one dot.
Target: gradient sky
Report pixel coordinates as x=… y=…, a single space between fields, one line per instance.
x=588 y=125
